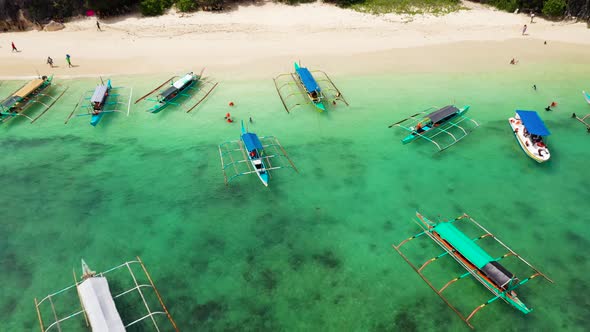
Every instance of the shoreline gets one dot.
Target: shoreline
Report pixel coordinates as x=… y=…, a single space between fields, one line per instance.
x=259 y=41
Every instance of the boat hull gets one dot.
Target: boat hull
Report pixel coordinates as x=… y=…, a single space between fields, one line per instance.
x=586 y=96
x=160 y=106
x=413 y=135
x=96 y=119
x=538 y=153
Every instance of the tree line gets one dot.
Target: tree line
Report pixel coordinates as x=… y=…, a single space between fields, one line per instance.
x=44 y=10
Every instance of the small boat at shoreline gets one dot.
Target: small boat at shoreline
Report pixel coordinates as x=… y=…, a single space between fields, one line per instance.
x=26 y=96
x=586 y=96
x=529 y=130
x=443 y=127
x=103 y=99
x=177 y=89
x=312 y=88
x=302 y=82
x=476 y=261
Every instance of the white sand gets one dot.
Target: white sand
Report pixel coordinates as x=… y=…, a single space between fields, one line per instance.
x=261 y=40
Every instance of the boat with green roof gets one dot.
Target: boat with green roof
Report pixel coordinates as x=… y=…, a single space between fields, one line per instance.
x=477 y=262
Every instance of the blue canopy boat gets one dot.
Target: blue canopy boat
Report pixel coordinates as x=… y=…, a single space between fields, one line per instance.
x=311 y=86
x=252 y=154
x=255 y=152
x=529 y=130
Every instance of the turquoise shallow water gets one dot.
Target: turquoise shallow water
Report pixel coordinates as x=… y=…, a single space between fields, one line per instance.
x=313 y=251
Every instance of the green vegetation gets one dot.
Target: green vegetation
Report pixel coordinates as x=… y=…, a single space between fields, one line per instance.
x=186 y=5
x=554 y=8
x=506 y=5
x=405 y=6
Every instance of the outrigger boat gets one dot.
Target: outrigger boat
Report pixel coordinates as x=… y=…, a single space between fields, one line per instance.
x=176 y=90
x=26 y=96
x=255 y=152
x=529 y=129
x=99 y=306
x=103 y=99
x=430 y=124
x=307 y=84
x=478 y=263
x=583 y=119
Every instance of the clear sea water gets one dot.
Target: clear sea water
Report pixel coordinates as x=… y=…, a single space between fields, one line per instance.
x=313 y=251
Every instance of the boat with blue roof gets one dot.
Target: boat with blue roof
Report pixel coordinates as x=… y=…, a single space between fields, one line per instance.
x=529 y=130
x=252 y=154
x=307 y=82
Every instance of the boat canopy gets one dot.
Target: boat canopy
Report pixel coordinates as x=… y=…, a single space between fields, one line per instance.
x=308 y=80
x=464 y=245
x=497 y=273
x=166 y=93
x=442 y=113
x=99 y=94
x=99 y=305
x=29 y=88
x=251 y=141
x=183 y=81
x=533 y=123
x=11 y=101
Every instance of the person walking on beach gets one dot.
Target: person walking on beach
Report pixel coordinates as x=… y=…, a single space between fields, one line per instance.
x=14 y=47
x=532 y=17
x=98 y=26
x=50 y=61
x=524 y=29
x=69 y=60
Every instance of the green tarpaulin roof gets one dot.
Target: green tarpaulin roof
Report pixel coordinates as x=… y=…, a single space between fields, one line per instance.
x=464 y=245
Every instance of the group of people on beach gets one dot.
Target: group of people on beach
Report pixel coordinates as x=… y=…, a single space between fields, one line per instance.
x=68 y=60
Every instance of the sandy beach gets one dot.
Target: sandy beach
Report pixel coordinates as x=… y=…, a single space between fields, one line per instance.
x=257 y=41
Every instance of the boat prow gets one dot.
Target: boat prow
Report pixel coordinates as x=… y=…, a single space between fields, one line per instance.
x=320 y=106
x=264 y=178
x=86 y=271
x=96 y=119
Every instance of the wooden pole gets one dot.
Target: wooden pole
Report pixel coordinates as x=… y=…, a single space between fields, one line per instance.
x=79 y=298
x=142 y=98
x=50 y=105
x=205 y=96
x=157 y=294
x=39 y=316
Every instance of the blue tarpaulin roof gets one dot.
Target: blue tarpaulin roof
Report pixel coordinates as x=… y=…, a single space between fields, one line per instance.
x=308 y=80
x=533 y=123
x=251 y=141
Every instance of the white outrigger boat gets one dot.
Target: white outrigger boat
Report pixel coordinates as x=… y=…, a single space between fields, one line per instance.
x=529 y=129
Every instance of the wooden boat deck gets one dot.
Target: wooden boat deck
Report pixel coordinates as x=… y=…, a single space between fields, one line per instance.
x=29 y=88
